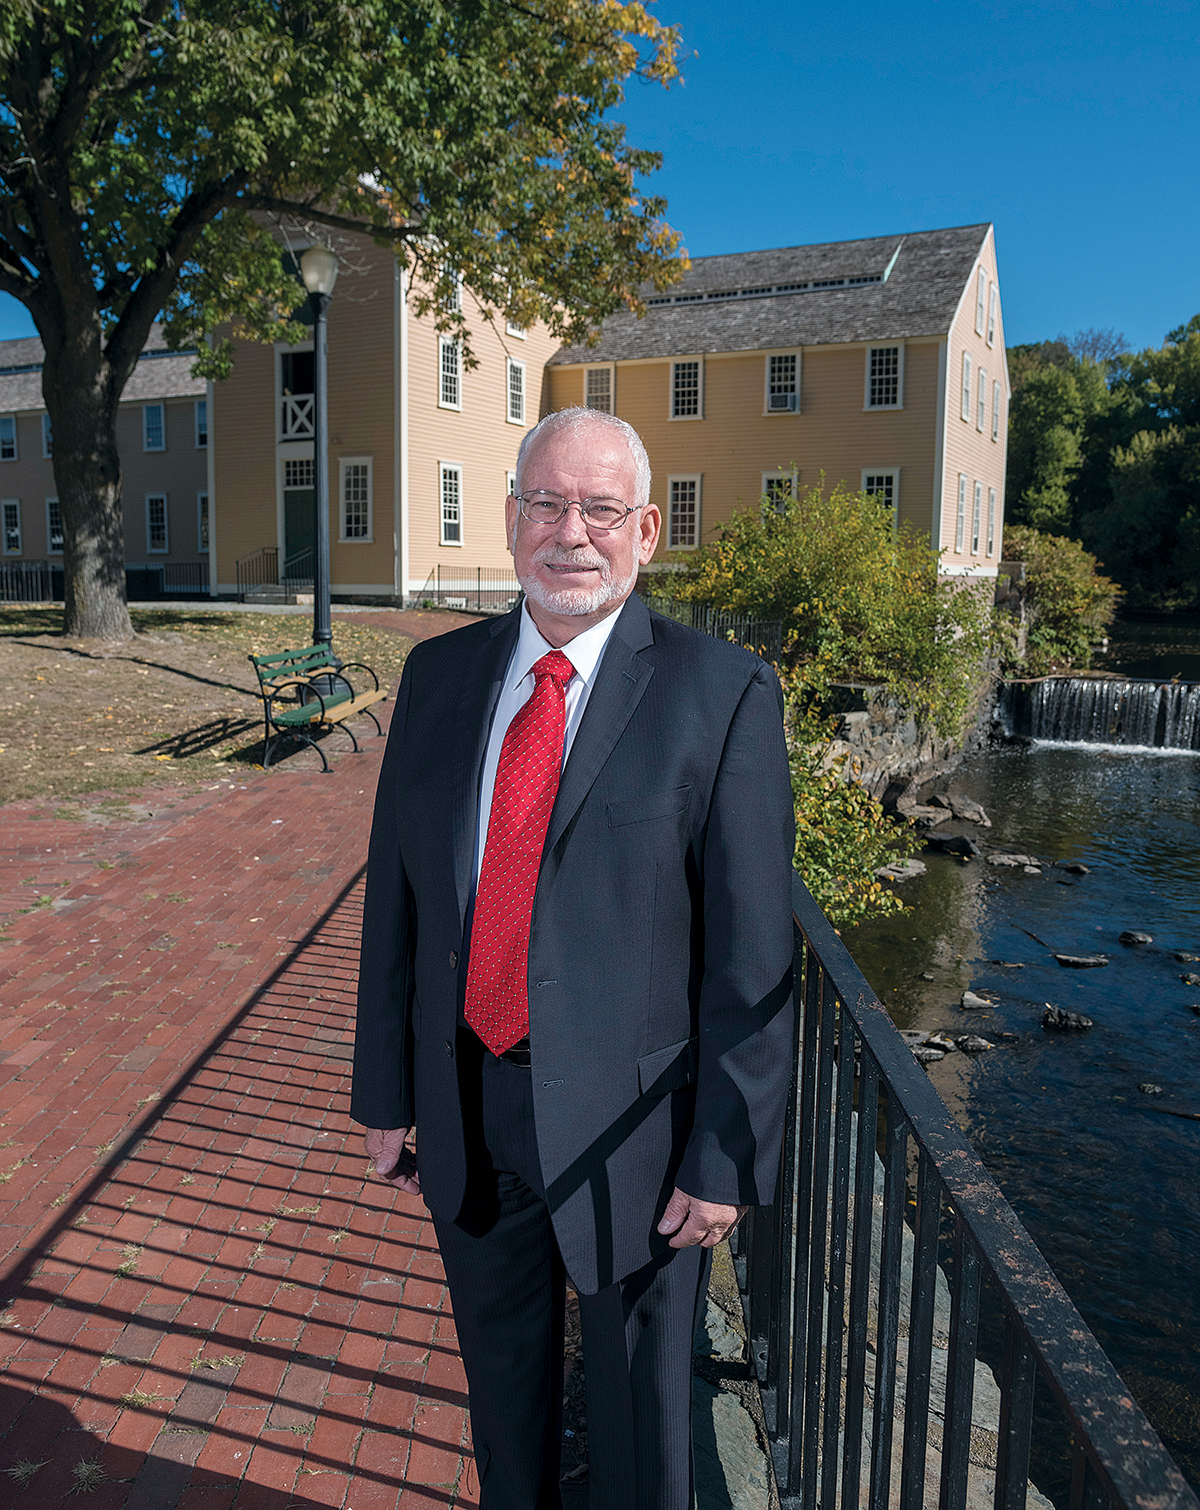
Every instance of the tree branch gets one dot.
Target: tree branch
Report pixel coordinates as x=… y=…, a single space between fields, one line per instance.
x=326 y=217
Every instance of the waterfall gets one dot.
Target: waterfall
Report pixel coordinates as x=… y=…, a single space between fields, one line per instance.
x=1104 y=711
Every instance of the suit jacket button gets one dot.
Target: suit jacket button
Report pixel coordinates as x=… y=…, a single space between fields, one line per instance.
x=449 y=1049
x=453 y=960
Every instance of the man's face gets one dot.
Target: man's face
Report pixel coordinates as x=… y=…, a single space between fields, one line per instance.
x=574 y=578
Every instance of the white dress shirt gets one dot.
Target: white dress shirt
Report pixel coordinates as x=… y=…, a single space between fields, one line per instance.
x=585 y=652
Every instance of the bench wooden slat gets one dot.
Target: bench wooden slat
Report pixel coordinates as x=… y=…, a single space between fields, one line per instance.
x=292 y=671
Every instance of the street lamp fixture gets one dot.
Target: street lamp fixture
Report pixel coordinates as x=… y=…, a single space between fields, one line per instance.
x=319 y=270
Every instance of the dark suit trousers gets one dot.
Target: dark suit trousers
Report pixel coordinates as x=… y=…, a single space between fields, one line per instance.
x=507 y=1282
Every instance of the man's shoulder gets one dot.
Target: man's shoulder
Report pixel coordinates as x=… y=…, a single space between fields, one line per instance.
x=461 y=644
x=707 y=654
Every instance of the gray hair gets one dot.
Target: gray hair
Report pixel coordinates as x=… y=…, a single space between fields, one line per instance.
x=574 y=420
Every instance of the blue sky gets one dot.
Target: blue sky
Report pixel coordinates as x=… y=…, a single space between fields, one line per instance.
x=1075 y=127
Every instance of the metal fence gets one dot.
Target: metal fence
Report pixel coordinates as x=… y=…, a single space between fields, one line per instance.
x=898 y=1363
x=481 y=590
x=765 y=636
x=259 y=569
x=42 y=581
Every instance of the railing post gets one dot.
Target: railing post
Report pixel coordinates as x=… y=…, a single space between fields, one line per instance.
x=887 y=1325
x=960 y=1370
x=1016 y=1419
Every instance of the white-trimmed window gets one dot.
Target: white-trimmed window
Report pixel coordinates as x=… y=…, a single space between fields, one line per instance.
x=992 y=302
x=966 y=386
x=687 y=389
x=996 y=409
x=981 y=401
x=980 y=300
x=202 y=523
x=451 y=503
x=8 y=437
x=598 y=388
x=683 y=520
x=354 y=492
x=883 y=482
x=960 y=520
x=54 y=528
x=449 y=374
x=778 y=488
x=976 y=519
x=10 y=509
x=782 y=379
x=510 y=483
x=514 y=330
x=991 y=534
x=154 y=428
x=515 y=389
x=885 y=377
x=47 y=437
x=201 y=423
x=452 y=300
x=157 y=543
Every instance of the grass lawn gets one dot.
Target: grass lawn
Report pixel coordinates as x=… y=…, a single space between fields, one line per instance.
x=178 y=702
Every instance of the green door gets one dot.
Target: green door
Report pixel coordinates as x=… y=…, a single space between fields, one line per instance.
x=298 y=530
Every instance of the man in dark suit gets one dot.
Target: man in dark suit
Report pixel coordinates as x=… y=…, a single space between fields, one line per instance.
x=576 y=971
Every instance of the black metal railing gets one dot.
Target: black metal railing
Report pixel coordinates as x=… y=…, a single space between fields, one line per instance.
x=30 y=582
x=762 y=635
x=42 y=581
x=481 y=589
x=297 y=571
x=881 y=1346
x=261 y=569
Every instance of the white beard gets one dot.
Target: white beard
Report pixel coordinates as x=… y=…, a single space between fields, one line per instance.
x=574 y=601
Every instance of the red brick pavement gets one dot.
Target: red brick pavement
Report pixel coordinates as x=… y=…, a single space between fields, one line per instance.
x=199 y=1304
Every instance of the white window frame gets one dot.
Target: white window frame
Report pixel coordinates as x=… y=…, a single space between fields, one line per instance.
x=202 y=522
x=995 y=408
x=991 y=522
x=671 y=393
x=454 y=301
x=968 y=392
x=611 y=369
x=993 y=301
x=165 y=548
x=15 y=505
x=445 y=342
x=794 y=406
x=510 y=484
x=981 y=401
x=511 y=365
x=976 y=517
x=201 y=425
x=53 y=503
x=891 y=472
x=898 y=347
x=162 y=420
x=683 y=477
x=777 y=475
x=981 y=300
x=514 y=330
x=12 y=420
x=445 y=467
x=47 y=438
x=344 y=465
x=960 y=521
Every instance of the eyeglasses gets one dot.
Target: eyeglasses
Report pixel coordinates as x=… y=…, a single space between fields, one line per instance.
x=598 y=514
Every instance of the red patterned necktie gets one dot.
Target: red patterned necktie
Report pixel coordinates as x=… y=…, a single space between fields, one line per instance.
x=497 y=1005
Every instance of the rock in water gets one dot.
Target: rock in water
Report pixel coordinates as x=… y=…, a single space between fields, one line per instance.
x=1014 y=860
x=901 y=870
x=971 y=1043
x=972 y=1003
x=1188 y=959
x=1134 y=936
x=941 y=1041
x=1147 y=1089
x=923 y=1054
x=1082 y=961
x=1190 y=980
x=954 y=844
x=1074 y=867
x=1059 y=1017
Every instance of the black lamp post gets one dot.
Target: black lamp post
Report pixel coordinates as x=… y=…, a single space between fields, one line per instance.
x=319 y=270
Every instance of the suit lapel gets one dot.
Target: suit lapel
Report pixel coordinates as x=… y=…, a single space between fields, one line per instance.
x=477 y=698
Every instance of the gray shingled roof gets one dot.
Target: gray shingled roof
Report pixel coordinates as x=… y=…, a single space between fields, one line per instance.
x=158 y=374
x=916 y=297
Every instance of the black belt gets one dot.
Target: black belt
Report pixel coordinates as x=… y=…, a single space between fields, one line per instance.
x=518 y=1054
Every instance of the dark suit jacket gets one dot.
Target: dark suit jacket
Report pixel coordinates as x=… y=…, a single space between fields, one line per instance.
x=660 y=950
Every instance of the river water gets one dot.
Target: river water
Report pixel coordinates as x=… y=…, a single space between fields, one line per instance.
x=1104 y=1175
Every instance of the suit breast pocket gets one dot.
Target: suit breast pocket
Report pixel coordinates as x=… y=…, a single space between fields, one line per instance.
x=644 y=809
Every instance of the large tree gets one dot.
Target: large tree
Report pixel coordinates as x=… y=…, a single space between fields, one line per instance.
x=145 y=146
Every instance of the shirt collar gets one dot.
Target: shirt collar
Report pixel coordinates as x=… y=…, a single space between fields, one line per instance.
x=584 y=651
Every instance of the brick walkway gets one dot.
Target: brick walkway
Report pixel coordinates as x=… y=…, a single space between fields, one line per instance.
x=200 y=1307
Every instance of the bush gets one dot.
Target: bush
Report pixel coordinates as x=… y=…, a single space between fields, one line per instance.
x=1071 y=606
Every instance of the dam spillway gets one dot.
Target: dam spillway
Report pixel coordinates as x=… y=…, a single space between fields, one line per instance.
x=1161 y=715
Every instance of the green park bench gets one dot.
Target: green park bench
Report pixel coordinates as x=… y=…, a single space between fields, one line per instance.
x=305 y=691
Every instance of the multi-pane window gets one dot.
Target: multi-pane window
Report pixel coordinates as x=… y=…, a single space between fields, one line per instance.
x=960 y=521
x=991 y=534
x=201 y=422
x=516 y=392
x=782 y=389
x=981 y=401
x=883 y=483
x=54 y=527
x=47 y=437
x=996 y=409
x=452 y=298
x=154 y=433
x=513 y=329
x=778 y=488
x=980 y=301
x=883 y=377
x=966 y=386
x=991 y=328
x=449 y=374
x=8 y=437
x=685 y=390
x=683 y=529
x=452 y=520
x=202 y=522
x=975 y=519
x=298 y=472
x=11 y=509
x=598 y=389
x=156 y=523
x=356 y=497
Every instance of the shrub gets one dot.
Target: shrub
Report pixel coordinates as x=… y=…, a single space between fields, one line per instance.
x=1071 y=606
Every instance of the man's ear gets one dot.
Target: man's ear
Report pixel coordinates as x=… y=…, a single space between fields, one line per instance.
x=512 y=514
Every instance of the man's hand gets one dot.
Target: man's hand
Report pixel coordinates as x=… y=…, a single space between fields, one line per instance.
x=694 y=1221
x=394 y=1164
